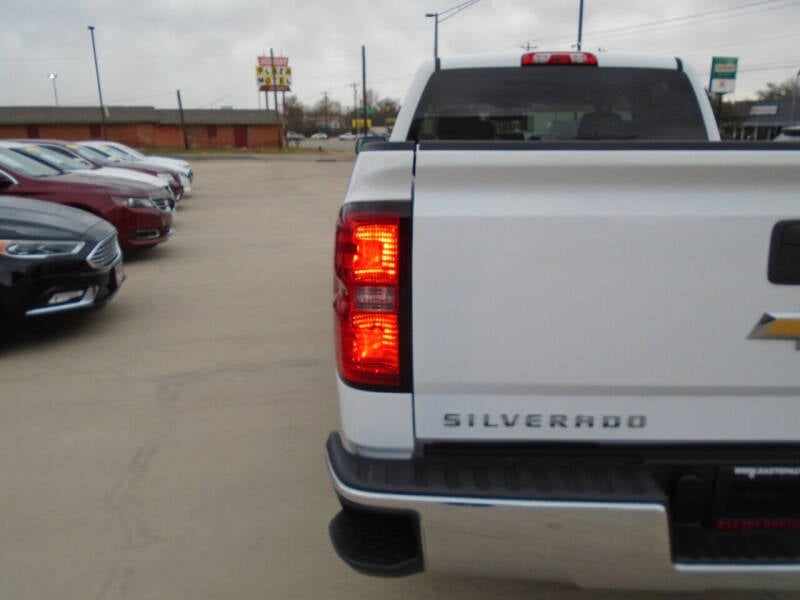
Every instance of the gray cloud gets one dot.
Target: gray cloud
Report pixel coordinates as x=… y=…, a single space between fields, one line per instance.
x=150 y=48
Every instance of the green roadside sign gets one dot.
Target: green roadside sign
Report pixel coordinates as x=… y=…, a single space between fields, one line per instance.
x=723 y=74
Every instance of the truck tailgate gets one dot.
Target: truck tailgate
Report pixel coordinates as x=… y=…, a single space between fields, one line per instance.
x=601 y=295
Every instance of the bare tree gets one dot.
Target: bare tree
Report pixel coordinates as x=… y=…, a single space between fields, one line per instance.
x=777 y=91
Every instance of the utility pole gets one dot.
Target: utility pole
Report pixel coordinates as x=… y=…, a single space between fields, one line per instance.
x=183 y=122
x=364 y=85
x=580 y=27
x=99 y=89
x=273 y=72
x=325 y=109
x=794 y=99
x=354 y=85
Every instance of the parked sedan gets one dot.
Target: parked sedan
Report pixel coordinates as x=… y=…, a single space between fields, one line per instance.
x=129 y=206
x=347 y=135
x=319 y=136
x=101 y=159
x=53 y=259
x=127 y=154
x=70 y=163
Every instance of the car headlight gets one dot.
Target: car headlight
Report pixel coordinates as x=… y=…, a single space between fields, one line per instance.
x=39 y=248
x=132 y=202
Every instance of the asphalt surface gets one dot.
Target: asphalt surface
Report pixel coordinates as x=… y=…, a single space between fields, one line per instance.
x=171 y=444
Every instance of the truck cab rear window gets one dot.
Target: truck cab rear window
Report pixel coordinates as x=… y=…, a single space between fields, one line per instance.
x=558 y=103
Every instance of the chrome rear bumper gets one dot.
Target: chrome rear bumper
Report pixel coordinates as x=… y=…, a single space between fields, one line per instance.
x=613 y=545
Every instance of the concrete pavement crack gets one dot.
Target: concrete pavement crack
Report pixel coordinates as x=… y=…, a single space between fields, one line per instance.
x=121 y=500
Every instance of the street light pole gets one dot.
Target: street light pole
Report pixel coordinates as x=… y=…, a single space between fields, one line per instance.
x=580 y=26
x=99 y=89
x=52 y=77
x=446 y=14
x=435 y=33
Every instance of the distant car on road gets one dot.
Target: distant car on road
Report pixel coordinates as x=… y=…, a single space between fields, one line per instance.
x=789 y=134
x=293 y=136
x=348 y=135
x=319 y=136
x=53 y=259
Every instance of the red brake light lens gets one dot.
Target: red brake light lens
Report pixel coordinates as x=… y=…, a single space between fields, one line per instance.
x=559 y=58
x=367 y=295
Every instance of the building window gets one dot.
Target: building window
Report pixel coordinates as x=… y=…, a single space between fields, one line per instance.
x=33 y=132
x=212 y=131
x=95 y=132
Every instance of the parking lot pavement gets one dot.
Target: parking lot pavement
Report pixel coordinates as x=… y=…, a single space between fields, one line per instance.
x=171 y=444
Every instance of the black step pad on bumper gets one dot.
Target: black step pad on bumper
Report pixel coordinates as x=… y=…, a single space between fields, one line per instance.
x=499 y=477
x=377 y=543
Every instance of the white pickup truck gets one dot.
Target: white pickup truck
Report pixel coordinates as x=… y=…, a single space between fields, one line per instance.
x=567 y=321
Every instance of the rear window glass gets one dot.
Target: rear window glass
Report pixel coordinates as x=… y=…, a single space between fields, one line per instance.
x=558 y=103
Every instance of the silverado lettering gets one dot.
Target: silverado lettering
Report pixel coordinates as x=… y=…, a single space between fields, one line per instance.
x=534 y=420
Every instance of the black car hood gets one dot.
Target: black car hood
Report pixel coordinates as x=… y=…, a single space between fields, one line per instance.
x=24 y=218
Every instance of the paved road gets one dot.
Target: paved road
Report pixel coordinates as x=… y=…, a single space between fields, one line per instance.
x=170 y=445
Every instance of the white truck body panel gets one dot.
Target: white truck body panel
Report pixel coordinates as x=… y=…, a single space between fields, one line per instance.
x=610 y=283
x=365 y=415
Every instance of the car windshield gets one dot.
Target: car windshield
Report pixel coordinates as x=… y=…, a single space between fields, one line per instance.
x=113 y=151
x=25 y=165
x=558 y=103
x=63 y=161
x=128 y=152
x=93 y=154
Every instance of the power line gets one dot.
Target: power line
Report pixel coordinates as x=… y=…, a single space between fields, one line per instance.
x=761 y=6
x=454 y=10
x=681 y=20
x=650 y=24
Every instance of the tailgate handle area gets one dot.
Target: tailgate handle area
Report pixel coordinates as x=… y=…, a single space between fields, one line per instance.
x=784 y=253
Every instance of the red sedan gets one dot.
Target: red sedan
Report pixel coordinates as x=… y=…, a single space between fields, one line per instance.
x=133 y=208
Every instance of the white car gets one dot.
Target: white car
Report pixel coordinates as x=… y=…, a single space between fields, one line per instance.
x=123 y=152
x=319 y=136
x=348 y=135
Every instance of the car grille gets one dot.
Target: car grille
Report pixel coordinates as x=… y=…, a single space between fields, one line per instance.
x=161 y=203
x=105 y=254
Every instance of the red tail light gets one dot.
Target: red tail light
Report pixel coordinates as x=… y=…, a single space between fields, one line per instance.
x=559 y=58
x=369 y=291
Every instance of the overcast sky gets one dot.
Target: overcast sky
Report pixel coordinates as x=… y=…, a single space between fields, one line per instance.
x=148 y=49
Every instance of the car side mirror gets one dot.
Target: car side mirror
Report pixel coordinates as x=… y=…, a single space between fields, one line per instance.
x=368 y=139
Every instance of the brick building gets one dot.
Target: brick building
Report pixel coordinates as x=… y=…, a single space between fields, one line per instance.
x=145 y=126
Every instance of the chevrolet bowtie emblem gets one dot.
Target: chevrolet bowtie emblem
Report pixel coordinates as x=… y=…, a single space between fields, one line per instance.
x=778 y=326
